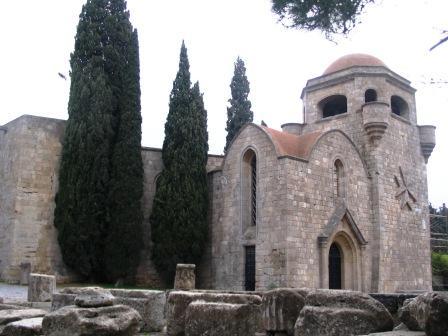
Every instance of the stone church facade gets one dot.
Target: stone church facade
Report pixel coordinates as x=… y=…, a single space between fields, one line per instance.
x=339 y=201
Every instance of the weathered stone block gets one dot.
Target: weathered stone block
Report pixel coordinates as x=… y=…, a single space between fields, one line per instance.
x=185 y=277
x=334 y=313
x=398 y=333
x=12 y=315
x=221 y=319
x=26 y=327
x=83 y=290
x=41 y=287
x=136 y=293
x=111 y=321
x=325 y=321
x=427 y=312
x=59 y=300
x=178 y=302
x=99 y=298
x=392 y=301
x=149 y=303
x=280 y=310
x=4 y=306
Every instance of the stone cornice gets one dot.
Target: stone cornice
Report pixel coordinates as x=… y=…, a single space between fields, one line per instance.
x=349 y=74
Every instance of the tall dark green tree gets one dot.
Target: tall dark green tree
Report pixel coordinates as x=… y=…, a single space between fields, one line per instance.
x=239 y=112
x=98 y=212
x=179 y=214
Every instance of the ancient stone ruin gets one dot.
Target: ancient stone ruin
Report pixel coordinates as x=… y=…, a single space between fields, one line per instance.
x=94 y=311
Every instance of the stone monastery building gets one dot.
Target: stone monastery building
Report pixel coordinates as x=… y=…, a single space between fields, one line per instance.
x=339 y=201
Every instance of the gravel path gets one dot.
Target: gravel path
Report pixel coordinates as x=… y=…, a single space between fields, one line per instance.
x=13 y=293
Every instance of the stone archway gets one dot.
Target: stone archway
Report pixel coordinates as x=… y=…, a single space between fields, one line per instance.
x=341 y=247
x=350 y=268
x=341 y=266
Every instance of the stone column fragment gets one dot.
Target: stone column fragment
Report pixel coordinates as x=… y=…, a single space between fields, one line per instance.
x=185 y=278
x=41 y=287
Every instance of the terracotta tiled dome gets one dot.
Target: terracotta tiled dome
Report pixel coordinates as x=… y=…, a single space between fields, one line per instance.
x=351 y=60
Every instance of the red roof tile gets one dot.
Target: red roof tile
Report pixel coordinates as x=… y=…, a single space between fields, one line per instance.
x=287 y=144
x=351 y=60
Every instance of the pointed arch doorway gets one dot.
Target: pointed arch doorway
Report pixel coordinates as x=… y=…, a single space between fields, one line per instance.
x=341 y=246
x=335 y=267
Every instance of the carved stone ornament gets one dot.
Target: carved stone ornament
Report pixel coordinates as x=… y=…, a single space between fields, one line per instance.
x=404 y=193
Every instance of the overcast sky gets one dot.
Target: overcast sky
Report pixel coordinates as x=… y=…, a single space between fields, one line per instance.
x=37 y=38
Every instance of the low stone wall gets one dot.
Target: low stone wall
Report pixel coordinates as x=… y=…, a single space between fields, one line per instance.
x=282 y=311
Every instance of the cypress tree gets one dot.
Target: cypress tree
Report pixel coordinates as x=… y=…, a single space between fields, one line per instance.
x=101 y=147
x=179 y=214
x=239 y=112
x=124 y=236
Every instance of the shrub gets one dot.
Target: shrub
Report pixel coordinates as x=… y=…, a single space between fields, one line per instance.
x=439 y=263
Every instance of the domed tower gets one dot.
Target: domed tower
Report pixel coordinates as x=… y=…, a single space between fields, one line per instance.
x=375 y=107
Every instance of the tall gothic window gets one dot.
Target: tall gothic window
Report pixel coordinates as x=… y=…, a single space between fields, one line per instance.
x=253 y=190
x=249 y=189
x=339 y=175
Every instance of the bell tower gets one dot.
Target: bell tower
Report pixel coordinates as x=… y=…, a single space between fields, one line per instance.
x=375 y=107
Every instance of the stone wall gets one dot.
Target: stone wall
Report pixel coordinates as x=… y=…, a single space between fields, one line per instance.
x=228 y=234
x=29 y=160
x=403 y=210
x=30 y=149
x=313 y=201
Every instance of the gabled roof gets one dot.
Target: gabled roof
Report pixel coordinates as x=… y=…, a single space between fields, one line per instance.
x=341 y=212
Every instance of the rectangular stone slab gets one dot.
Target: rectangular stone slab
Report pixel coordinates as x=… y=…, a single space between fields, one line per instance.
x=26 y=327
x=178 y=302
x=11 y=315
x=221 y=319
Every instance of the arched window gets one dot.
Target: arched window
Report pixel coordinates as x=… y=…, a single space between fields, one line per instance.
x=334 y=267
x=333 y=105
x=370 y=96
x=339 y=179
x=249 y=189
x=253 y=190
x=156 y=182
x=157 y=179
x=399 y=106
